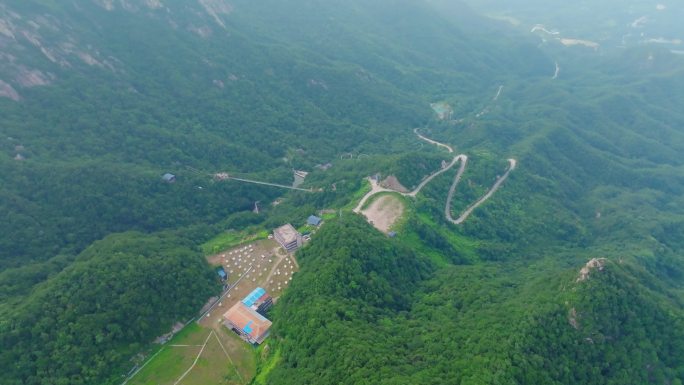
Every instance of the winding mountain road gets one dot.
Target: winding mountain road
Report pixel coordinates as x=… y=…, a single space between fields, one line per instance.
x=471 y=208
x=452 y=190
x=376 y=188
x=463 y=158
x=436 y=143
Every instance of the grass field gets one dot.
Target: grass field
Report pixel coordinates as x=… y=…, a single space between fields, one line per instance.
x=199 y=356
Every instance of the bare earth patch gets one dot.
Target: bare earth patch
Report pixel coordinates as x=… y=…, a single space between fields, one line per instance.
x=392 y=183
x=384 y=212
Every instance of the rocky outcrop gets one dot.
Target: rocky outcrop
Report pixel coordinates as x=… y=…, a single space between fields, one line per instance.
x=36 y=47
x=7 y=29
x=7 y=91
x=216 y=8
x=594 y=264
x=28 y=78
x=572 y=318
x=129 y=5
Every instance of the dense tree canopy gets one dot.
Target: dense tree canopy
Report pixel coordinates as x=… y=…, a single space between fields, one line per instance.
x=98 y=255
x=83 y=325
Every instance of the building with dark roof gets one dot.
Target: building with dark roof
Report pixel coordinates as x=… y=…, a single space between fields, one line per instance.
x=314 y=221
x=288 y=237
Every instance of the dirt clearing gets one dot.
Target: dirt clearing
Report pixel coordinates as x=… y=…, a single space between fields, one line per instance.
x=384 y=212
x=392 y=183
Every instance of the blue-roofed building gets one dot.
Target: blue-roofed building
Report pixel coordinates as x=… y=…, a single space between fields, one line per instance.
x=314 y=221
x=392 y=234
x=253 y=296
x=258 y=300
x=222 y=273
x=169 y=178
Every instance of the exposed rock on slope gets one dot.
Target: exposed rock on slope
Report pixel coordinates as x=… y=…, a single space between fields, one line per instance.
x=594 y=264
x=37 y=44
x=7 y=91
x=215 y=8
x=111 y=5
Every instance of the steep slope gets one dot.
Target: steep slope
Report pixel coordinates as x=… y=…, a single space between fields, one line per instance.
x=610 y=330
x=245 y=90
x=100 y=98
x=513 y=324
x=84 y=325
x=337 y=321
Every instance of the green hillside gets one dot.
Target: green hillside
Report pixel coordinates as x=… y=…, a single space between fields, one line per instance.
x=85 y=324
x=99 y=255
x=377 y=313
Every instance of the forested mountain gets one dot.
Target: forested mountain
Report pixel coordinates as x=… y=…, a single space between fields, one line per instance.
x=244 y=91
x=100 y=98
x=372 y=313
x=83 y=325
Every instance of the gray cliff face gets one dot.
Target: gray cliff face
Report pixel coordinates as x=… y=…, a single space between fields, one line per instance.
x=39 y=44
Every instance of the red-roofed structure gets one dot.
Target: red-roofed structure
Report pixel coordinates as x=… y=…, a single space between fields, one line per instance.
x=247 y=323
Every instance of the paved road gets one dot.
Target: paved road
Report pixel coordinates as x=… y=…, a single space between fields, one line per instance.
x=463 y=158
x=376 y=188
x=471 y=208
x=449 y=148
x=452 y=190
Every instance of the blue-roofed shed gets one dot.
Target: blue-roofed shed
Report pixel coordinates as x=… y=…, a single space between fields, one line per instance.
x=222 y=273
x=253 y=296
x=392 y=234
x=169 y=178
x=314 y=221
